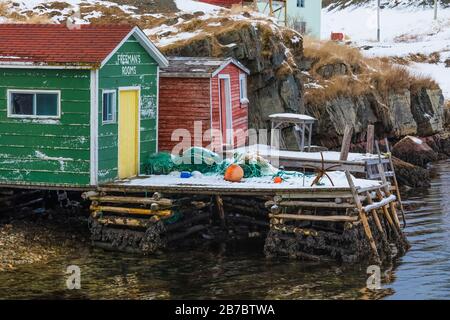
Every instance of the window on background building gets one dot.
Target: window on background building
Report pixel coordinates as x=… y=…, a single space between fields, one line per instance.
x=243 y=88
x=34 y=104
x=300 y=3
x=109 y=106
x=302 y=27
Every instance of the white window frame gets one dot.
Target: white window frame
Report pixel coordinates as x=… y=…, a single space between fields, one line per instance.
x=114 y=119
x=243 y=93
x=9 y=92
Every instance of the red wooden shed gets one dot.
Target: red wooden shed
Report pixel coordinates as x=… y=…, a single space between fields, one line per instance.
x=207 y=91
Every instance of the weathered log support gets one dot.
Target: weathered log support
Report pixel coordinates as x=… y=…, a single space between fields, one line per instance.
x=360 y=226
x=346 y=225
x=145 y=224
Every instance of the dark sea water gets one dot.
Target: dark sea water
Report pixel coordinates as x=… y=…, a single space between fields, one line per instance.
x=240 y=271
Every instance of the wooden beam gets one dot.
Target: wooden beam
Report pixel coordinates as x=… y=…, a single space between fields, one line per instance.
x=312 y=204
x=363 y=217
x=374 y=214
x=394 y=178
x=302 y=217
x=387 y=192
x=346 y=142
x=370 y=138
x=132 y=211
x=133 y=200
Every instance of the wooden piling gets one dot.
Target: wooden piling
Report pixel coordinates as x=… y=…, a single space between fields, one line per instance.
x=346 y=142
x=363 y=217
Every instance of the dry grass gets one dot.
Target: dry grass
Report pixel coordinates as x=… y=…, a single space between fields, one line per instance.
x=433 y=58
x=365 y=75
x=330 y=52
x=4 y=8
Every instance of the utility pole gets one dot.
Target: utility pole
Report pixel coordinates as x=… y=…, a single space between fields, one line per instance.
x=435 y=9
x=379 y=21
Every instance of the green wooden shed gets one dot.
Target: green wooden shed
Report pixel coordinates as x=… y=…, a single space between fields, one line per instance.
x=78 y=104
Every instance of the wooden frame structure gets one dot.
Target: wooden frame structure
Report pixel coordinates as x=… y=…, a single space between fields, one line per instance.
x=143 y=207
x=275 y=7
x=303 y=126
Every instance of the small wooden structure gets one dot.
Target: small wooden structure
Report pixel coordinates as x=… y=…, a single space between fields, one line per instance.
x=209 y=92
x=302 y=125
x=78 y=105
x=356 y=221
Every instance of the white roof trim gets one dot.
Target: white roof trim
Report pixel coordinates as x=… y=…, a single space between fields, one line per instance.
x=227 y=63
x=145 y=42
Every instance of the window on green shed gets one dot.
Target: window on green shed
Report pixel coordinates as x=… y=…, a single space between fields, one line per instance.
x=109 y=106
x=33 y=104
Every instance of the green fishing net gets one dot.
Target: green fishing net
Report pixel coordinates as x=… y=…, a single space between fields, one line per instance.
x=208 y=162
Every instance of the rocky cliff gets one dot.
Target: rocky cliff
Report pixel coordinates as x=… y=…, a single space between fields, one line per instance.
x=345 y=88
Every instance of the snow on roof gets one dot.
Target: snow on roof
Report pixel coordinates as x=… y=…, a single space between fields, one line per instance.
x=198 y=67
x=292 y=116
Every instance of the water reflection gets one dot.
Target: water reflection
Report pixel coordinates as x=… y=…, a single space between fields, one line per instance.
x=241 y=271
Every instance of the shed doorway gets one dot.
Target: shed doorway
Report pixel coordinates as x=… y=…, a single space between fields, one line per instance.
x=128 y=133
x=226 y=112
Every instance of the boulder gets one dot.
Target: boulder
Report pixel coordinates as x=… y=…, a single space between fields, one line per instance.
x=415 y=151
x=427 y=107
x=411 y=175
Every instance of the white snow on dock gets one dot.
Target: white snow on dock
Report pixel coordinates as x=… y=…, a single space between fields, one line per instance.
x=263 y=183
x=329 y=156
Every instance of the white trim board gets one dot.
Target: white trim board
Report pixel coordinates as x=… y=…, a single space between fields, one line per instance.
x=31 y=91
x=227 y=63
x=145 y=42
x=94 y=128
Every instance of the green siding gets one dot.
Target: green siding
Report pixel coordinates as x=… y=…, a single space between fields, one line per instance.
x=53 y=152
x=111 y=77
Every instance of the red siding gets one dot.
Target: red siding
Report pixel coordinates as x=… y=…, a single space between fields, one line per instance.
x=240 y=111
x=223 y=3
x=182 y=101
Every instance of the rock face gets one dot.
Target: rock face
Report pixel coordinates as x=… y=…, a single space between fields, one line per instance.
x=404 y=113
x=415 y=151
x=275 y=83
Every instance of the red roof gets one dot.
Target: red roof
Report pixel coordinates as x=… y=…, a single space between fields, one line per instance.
x=57 y=44
x=223 y=3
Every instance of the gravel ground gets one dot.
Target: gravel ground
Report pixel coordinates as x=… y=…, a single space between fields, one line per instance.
x=31 y=240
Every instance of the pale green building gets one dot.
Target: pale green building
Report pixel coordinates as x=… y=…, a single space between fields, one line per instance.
x=303 y=15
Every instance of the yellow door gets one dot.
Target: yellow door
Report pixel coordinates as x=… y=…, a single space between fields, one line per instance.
x=128 y=133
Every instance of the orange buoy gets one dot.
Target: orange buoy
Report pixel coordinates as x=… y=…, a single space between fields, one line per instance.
x=234 y=173
x=277 y=180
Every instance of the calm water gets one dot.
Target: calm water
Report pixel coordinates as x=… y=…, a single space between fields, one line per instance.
x=243 y=272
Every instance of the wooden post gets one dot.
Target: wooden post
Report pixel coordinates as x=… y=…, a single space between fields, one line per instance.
x=303 y=126
x=394 y=177
x=220 y=210
x=374 y=213
x=370 y=138
x=310 y=136
x=363 y=217
x=346 y=141
x=388 y=193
